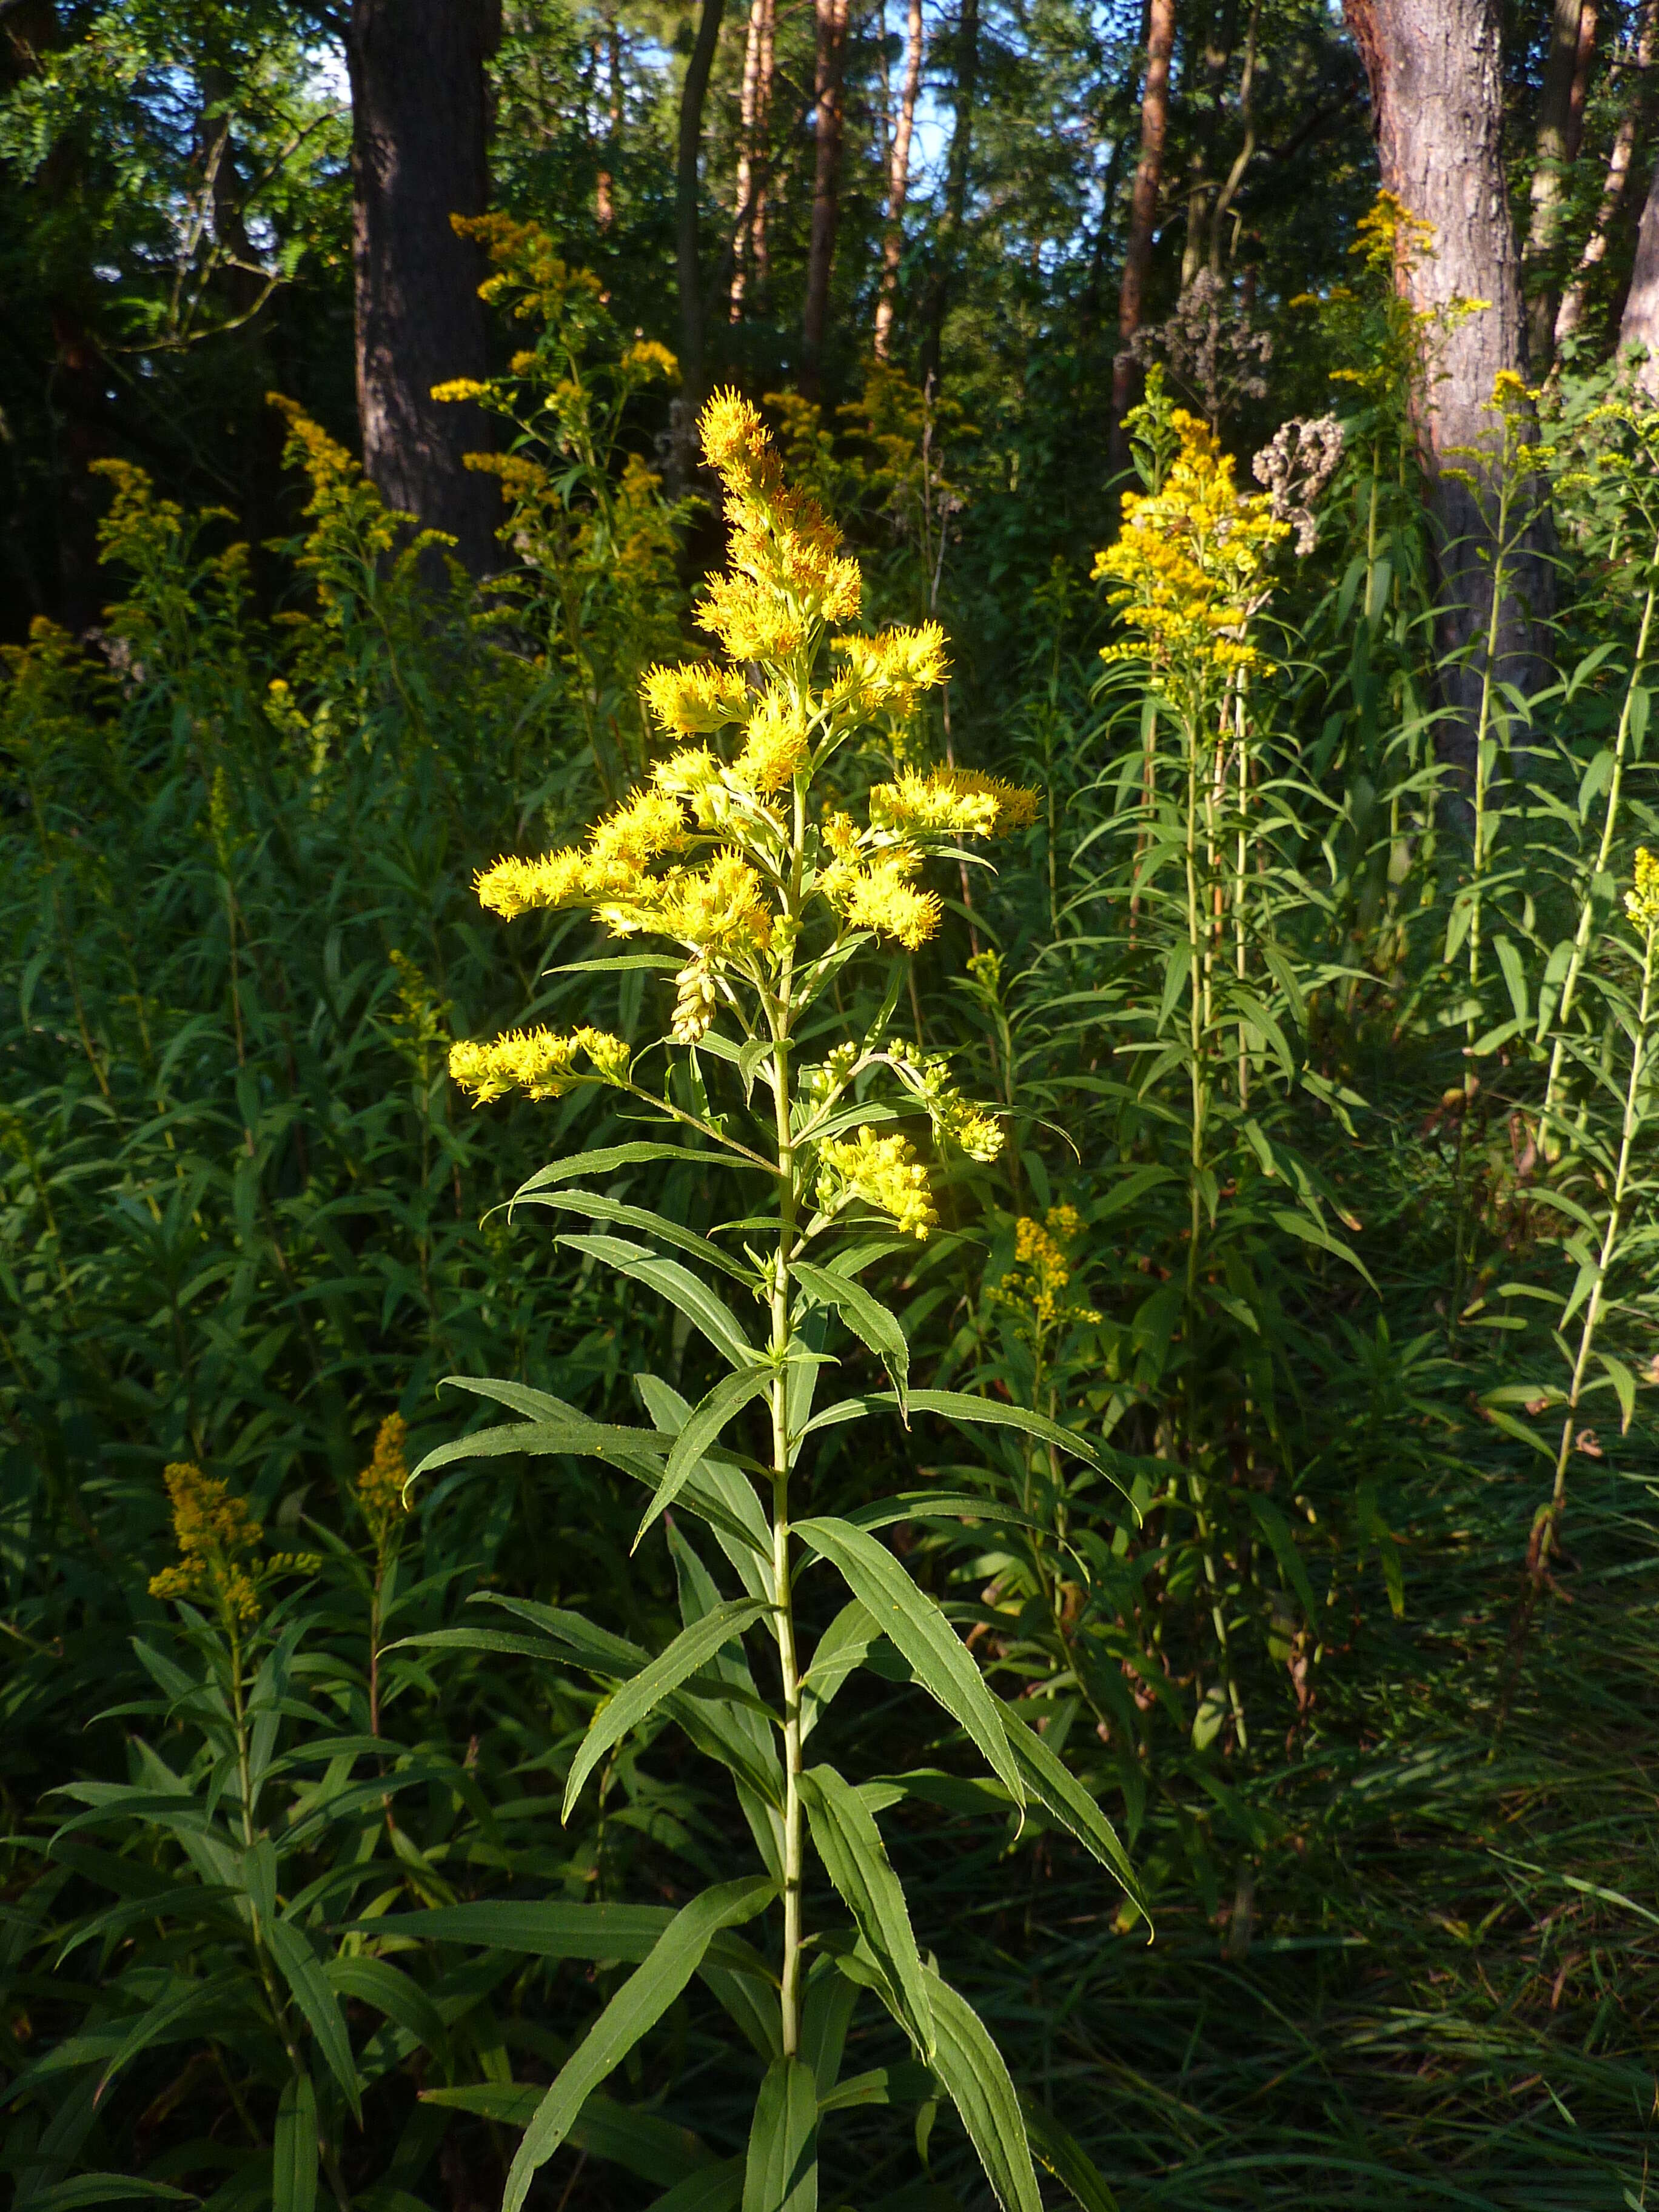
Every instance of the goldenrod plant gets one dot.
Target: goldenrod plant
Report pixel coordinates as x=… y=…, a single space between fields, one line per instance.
x=771 y=847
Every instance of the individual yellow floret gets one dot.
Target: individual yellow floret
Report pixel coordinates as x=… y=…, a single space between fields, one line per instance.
x=696 y=698
x=880 y=897
x=885 y=1172
x=775 y=747
x=538 y=1062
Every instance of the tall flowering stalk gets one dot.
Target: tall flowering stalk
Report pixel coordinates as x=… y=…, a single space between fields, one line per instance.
x=745 y=854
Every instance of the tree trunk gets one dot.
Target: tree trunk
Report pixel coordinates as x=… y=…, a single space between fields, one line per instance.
x=604 y=185
x=1437 y=96
x=1143 y=213
x=1570 y=319
x=1551 y=160
x=826 y=185
x=1217 y=54
x=1588 y=16
x=898 y=181
x=687 y=202
x=755 y=112
x=1640 y=325
x=420 y=130
x=947 y=244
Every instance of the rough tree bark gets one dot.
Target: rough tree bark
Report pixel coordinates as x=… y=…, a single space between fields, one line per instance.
x=755 y=112
x=827 y=133
x=687 y=202
x=947 y=245
x=1436 y=76
x=1143 y=213
x=1639 y=57
x=420 y=123
x=1640 y=323
x=1209 y=84
x=898 y=182
x=1552 y=157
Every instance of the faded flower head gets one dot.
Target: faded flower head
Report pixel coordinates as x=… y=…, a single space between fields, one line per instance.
x=1294 y=467
x=219 y=1549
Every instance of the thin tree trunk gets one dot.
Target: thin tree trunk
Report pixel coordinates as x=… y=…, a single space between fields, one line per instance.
x=831 y=16
x=947 y=244
x=1575 y=299
x=1436 y=76
x=898 y=181
x=687 y=199
x=1551 y=159
x=604 y=185
x=420 y=127
x=1217 y=54
x=1640 y=325
x=1246 y=154
x=748 y=152
x=1143 y=213
x=1589 y=17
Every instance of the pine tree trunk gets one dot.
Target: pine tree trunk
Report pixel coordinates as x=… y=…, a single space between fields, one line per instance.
x=826 y=185
x=749 y=242
x=420 y=131
x=1143 y=213
x=1639 y=61
x=1640 y=323
x=1551 y=160
x=947 y=244
x=898 y=182
x=687 y=202
x=1209 y=86
x=1436 y=76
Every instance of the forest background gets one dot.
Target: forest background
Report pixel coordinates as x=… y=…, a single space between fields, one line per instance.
x=1315 y=1006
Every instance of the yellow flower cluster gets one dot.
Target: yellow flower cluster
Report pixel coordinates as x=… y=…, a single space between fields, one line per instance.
x=775 y=747
x=885 y=1172
x=719 y=909
x=622 y=846
x=536 y=1061
x=951 y=802
x=1642 y=903
x=219 y=1543
x=889 y=670
x=1189 y=561
x=1037 y=1282
x=786 y=573
x=696 y=698
x=381 y=1484
x=955 y=1121
x=881 y=898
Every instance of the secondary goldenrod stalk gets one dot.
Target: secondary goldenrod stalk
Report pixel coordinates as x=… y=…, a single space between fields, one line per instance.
x=1581 y=943
x=1551 y=1518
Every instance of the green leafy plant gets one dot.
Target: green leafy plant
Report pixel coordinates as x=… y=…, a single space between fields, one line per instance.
x=770 y=890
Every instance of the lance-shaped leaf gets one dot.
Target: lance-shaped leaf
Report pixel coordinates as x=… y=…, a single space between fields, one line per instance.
x=855 y=1859
x=842 y=1649
x=294 y=2148
x=913 y=1622
x=609 y=1158
x=1058 y=2153
x=971 y=2068
x=679 y=1286
x=1057 y=1789
x=641 y=1694
x=641 y=1218
x=705 y=1425
x=992 y=1413
x=554 y=1928
x=715 y=2189
x=869 y=1319
x=780 y=2174
x=301 y=1968
x=632 y=2013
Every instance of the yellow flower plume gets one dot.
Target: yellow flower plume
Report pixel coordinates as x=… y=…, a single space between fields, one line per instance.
x=1642 y=903
x=538 y=1062
x=218 y=1546
x=380 y=1485
x=885 y=1172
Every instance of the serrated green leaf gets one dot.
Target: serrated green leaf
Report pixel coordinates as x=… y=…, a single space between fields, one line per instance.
x=1058 y=2153
x=870 y=1322
x=913 y=1622
x=632 y=2013
x=597 y=1208
x=780 y=2174
x=971 y=2068
x=716 y=2189
x=855 y=1859
x=705 y=1424
x=302 y=1970
x=609 y=1158
x=294 y=2148
x=712 y=1315
x=1059 y=1793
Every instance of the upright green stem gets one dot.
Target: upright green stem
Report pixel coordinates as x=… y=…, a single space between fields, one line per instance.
x=1633 y=1122
x=1581 y=942
x=780 y=1013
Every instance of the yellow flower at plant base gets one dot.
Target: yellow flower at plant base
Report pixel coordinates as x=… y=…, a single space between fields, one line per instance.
x=885 y=1172
x=218 y=1546
x=1642 y=902
x=1187 y=562
x=538 y=1062
x=380 y=1485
